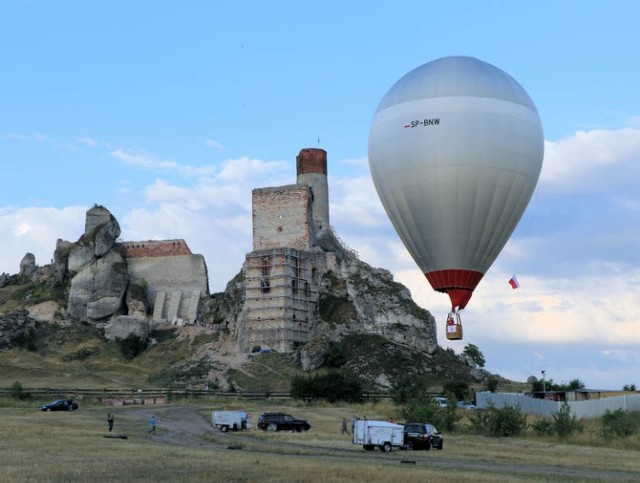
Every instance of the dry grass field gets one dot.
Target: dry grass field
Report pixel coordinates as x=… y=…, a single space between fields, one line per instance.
x=39 y=446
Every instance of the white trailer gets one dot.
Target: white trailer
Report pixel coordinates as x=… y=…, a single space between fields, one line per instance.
x=230 y=420
x=381 y=434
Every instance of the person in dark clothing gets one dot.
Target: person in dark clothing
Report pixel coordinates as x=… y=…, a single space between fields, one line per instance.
x=110 y=421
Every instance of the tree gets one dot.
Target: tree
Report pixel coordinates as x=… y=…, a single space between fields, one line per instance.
x=333 y=387
x=458 y=388
x=566 y=423
x=403 y=390
x=473 y=353
x=131 y=346
x=492 y=383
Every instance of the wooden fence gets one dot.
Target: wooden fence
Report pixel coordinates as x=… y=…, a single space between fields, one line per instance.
x=146 y=394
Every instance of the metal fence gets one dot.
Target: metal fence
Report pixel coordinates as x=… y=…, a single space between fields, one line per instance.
x=581 y=409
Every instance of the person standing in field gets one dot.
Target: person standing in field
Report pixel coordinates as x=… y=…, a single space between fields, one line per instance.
x=152 y=425
x=344 y=426
x=110 y=421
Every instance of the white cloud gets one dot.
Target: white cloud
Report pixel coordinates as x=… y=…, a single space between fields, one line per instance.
x=214 y=144
x=590 y=161
x=35 y=230
x=151 y=163
x=87 y=141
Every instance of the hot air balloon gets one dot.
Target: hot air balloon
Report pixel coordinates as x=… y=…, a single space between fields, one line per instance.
x=455 y=152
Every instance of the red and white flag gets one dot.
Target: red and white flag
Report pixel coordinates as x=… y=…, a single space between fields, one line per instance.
x=513 y=281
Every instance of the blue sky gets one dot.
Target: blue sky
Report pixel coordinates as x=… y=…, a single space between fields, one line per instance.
x=170 y=114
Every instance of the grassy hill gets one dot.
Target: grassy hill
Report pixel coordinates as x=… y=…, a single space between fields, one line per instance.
x=77 y=355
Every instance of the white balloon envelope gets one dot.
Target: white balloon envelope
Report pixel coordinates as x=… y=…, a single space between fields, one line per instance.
x=455 y=151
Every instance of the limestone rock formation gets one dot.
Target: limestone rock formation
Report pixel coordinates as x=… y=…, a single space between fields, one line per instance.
x=99 y=273
x=122 y=326
x=28 y=266
x=97 y=290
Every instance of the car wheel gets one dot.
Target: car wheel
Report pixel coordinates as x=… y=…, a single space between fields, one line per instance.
x=441 y=445
x=224 y=429
x=272 y=427
x=386 y=447
x=299 y=429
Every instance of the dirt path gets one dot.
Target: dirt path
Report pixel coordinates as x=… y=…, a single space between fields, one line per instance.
x=185 y=426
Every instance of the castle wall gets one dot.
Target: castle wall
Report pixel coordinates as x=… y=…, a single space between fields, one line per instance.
x=282 y=218
x=174 y=282
x=154 y=248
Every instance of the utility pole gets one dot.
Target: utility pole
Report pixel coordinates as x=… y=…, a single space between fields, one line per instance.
x=544 y=384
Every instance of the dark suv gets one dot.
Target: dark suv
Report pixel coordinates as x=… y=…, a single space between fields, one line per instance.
x=282 y=422
x=422 y=436
x=60 y=405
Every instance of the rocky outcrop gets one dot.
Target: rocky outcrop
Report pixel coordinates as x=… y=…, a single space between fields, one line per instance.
x=97 y=290
x=136 y=301
x=122 y=326
x=99 y=272
x=28 y=266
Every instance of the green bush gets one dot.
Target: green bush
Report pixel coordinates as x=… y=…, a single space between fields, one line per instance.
x=28 y=339
x=565 y=423
x=403 y=390
x=333 y=387
x=459 y=389
x=336 y=355
x=544 y=427
x=131 y=346
x=18 y=392
x=619 y=423
x=503 y=422
x=492 y=383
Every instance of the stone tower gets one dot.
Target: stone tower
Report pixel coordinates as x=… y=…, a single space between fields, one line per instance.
x=281 y=273
x=311 y=167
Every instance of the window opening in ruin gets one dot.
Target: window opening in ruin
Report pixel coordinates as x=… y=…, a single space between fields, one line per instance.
x=294 y=286
x=306 y=289
x=265 y=285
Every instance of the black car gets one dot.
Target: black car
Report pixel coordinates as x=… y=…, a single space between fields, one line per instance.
x=60 y=405
x=422 y=436
x=282 y=422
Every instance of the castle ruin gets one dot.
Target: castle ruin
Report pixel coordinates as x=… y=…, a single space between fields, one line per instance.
x=281 y=273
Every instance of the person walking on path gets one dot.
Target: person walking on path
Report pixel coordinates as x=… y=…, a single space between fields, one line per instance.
x=110 y=421
x=344 y=426
x=152 y=425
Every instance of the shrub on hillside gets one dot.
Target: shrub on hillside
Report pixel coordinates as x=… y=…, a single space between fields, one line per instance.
x=333 y=387
x=18 y=392
x=131 y=346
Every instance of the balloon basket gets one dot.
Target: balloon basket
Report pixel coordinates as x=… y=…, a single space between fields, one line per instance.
x=454 y=326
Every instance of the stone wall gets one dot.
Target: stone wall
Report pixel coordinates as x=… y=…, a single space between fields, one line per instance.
x=153 y=248
x=174 y=282
x=282 y=218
